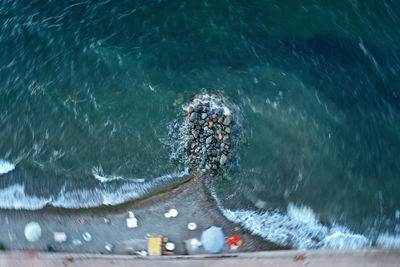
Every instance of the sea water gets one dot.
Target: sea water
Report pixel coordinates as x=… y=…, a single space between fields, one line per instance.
x=92 y=97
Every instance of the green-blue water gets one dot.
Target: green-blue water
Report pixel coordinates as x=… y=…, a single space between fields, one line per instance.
x=91 y=94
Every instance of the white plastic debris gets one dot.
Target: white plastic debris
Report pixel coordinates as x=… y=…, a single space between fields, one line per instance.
x=108 y=247
x=170 y=246
x=173 y=212
x=86 y=236
x=60 y=237
x=195 y=243
x=167 y=215
x=192 y=226
x=131 y=221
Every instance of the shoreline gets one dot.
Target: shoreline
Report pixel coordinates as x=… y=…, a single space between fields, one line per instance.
x=190 y=197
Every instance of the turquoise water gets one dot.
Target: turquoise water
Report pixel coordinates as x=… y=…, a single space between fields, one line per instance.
x=92 y=93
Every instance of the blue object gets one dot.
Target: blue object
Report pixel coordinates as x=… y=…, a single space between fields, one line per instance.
x=213 y=239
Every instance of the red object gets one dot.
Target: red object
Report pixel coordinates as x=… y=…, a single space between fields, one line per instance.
x=80 y=221
x=235 y=240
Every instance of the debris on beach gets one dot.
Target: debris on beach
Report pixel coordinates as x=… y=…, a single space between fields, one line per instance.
x=106 y=220
x=209 y=134
x=192 y=226
x=32 y=231
x=192 y=245
x=213 y=239
x=108 y=247
x=171 y=213
x=60 y=237
x=76 y=241
x=131 y=221
x=154 y=246
x=234 y=242
x=87 y=236
x=167 y=248
x=80 y=221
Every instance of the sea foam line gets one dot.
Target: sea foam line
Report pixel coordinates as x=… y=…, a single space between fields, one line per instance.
x=298 y=228
x=6 y=166
x=15 y=197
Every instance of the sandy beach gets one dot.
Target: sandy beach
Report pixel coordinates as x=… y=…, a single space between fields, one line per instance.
x=191 y=198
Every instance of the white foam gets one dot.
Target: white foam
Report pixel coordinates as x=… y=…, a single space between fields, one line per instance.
x=298 y=228
x=212 y=100
x=99 y=175
x=15 y=197
x=6 y=166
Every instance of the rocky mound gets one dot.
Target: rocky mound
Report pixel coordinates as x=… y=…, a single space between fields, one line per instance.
x=208 y=136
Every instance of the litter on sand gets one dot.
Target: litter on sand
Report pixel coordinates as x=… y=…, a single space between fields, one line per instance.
x=76 y=241
x=131 y=221
x=171 y=213
x=32 y=231
x=108 y=247
x=86 y=236
x=213 y=239
x=234 y=242
x=59 y=237
x=154 y=246
x=192 y=226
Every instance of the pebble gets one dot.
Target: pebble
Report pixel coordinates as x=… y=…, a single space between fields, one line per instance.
x=220 y=120
x=203 y=116
x=191 y=109
x=210 y=124
x=223 y=160
x=227 y=120
x=209 y=140
x=220 y=136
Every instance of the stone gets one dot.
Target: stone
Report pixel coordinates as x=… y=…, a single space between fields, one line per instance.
x=208 y=166
x=223 y=160
x=195 y=133
x=191 y=110
x=215 y=167
x=205 y=129
x=191 y=137
x=214 y=116
x=230 y=155
x=210 y=124
x=220 y=136
x=228 y=120
x=225 y=139
x=228 y=130
x=203 y=116
x=209 y=140
x=220 y=120
x=193 y=116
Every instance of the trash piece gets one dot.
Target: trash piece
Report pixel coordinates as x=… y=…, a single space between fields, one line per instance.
x=170 y=246
x=141 y=253
x=192 y=226
x=76 y=241
x=154 y=246
x=131 y=221
x=234 y=242
x=173 y=212
x=108 y=247
x=32 y=231
x=87 y=237
x=300 y=257
x=50 y=248
x=69 y=259
x=80 y=221
x=12 y=236
x=106 y=220
x=213 y=239
x=164 y=249
x=167 y=215
x=59 y=237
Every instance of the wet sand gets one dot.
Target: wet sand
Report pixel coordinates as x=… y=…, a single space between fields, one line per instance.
x=191 y=198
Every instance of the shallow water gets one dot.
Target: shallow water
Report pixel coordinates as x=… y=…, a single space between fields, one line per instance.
x=91 y=98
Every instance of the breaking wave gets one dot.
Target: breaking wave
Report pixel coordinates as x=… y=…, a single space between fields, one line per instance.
x=6 y=166
x=300 y=228
x=15 y=197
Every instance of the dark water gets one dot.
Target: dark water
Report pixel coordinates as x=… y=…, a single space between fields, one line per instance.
x=91 y=94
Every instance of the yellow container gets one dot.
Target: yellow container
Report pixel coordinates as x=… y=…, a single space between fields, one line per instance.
x=154 y=246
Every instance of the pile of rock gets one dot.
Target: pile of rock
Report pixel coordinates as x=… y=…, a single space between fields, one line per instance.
x=208 y=138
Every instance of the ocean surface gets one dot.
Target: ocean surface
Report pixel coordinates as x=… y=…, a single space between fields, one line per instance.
x=92 y=99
